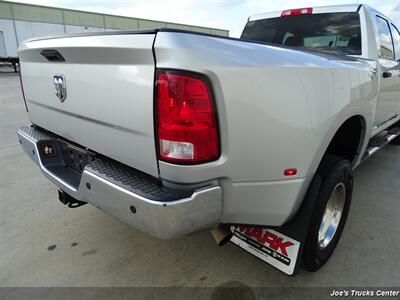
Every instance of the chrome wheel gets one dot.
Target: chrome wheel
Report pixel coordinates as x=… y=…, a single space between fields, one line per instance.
x=332 y=214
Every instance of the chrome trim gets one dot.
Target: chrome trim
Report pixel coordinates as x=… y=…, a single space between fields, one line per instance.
x=391 y=137
x=373 y=150
x=380 y=127
x=153 y=202
x=60 y=86
x=332 y=215
x=164 y=220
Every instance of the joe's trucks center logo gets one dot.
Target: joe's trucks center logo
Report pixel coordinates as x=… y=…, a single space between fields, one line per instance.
x=265 y=241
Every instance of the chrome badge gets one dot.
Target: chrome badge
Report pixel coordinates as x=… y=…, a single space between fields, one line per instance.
x=60 y=87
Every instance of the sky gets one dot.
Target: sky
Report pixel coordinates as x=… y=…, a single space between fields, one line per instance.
x=224 y=14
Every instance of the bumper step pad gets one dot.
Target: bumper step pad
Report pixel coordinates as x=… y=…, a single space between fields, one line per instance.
x=124 y=176
x=134 y=181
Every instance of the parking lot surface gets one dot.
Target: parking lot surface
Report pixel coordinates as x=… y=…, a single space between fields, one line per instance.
x=44 y=243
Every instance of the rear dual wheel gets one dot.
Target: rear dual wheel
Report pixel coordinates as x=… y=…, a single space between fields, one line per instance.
x=330 y=211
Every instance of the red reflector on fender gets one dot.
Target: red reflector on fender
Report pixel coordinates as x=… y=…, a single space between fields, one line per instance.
x=186 y=118
x=296 y=12
x=290 y=172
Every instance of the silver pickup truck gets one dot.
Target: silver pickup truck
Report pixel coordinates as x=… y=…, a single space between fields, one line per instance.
x=176 y=132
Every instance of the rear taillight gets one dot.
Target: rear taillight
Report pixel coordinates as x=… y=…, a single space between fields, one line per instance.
x=22 y=87
x=296 y=12
x=186 y=118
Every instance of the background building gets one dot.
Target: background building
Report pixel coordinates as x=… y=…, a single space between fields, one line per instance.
x=19 y=22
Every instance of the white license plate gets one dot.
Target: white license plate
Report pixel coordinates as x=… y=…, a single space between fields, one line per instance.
x=269 y=245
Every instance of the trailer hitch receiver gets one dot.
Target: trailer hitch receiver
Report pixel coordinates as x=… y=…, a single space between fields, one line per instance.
x=68 y=200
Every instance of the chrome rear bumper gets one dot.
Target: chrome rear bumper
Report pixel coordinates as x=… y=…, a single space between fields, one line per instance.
x=167 y=218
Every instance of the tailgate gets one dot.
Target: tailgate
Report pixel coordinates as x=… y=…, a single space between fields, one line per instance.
x=108 y=105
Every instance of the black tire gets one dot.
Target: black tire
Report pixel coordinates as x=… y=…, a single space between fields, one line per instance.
x=333 y=170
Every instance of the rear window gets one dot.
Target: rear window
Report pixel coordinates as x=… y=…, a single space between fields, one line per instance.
x=332 y=32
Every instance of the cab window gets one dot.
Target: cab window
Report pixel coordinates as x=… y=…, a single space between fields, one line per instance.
x=331 y=32
x=385 y=39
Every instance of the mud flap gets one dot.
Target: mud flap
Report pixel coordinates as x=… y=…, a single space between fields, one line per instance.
x=282 y=247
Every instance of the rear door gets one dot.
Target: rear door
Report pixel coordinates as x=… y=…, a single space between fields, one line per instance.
x=388 y=102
